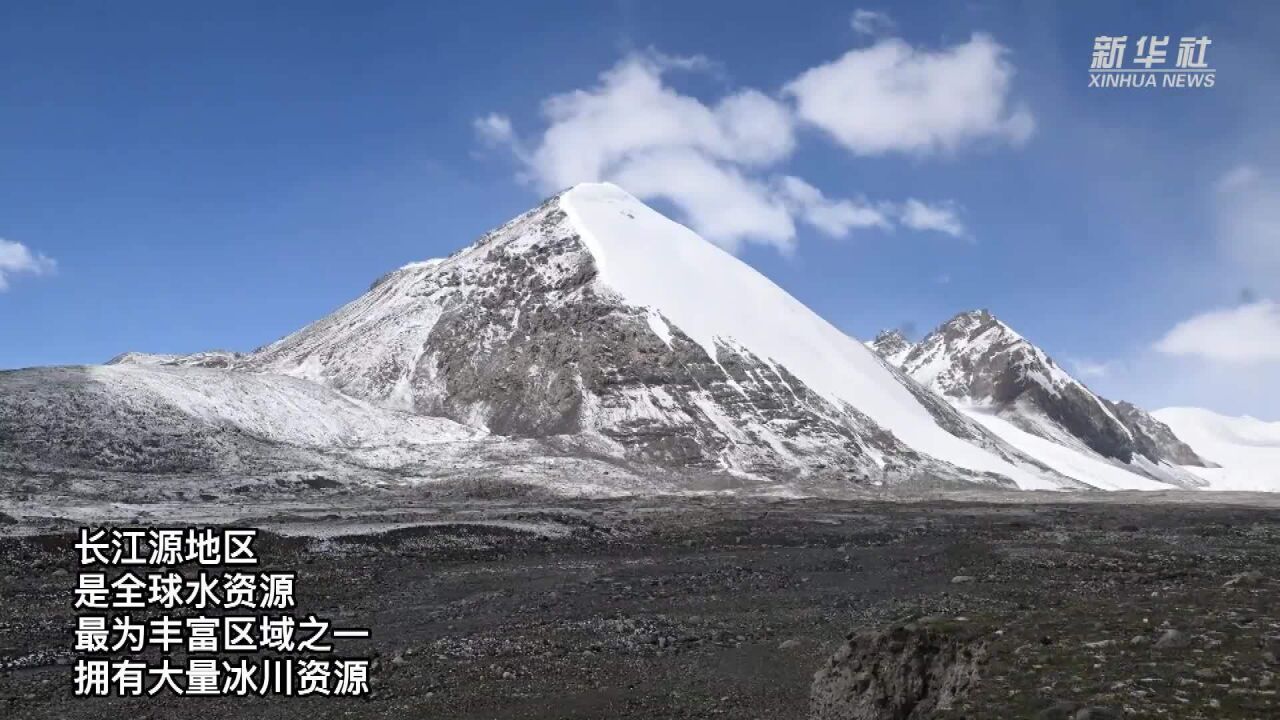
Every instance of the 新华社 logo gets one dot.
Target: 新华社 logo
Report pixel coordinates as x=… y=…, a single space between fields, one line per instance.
x=1150 y=64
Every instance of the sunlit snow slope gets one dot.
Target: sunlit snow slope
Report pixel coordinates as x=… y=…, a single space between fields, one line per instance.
x=1247 y=449
x=712 y=296
x=593 y=315
x=1075 y=462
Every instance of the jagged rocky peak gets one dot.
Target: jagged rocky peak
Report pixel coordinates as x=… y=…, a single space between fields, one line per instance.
x=975 y=355
x=976 y=359
x=892 y=345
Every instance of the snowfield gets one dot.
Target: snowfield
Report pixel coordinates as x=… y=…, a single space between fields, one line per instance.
x=1247 y=449
x=1081 y=464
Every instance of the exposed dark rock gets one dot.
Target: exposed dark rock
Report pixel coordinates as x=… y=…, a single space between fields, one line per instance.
x=892 y=345
x=1154 y=439
x=903 y=673
x=974 y=357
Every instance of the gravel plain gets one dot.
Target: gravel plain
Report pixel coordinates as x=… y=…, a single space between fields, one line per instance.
x=1062 y=606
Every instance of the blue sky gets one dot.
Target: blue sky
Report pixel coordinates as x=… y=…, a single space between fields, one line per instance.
x=183 y=177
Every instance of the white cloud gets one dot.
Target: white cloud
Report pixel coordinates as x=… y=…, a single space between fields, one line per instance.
x=16 y=258
x=494 y=129
x=1238 y=177
x=759 y=128
x=718 y=201
x=635 y=130
x=870 y=22
x=591 y=133
x=720 y=161
x=1225 y=359
x=942 y=217
x=832 y=217
x=1246 y=334
x=891 y=97
x=1090 y=369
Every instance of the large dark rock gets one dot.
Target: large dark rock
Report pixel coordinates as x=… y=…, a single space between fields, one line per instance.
x=903 y=673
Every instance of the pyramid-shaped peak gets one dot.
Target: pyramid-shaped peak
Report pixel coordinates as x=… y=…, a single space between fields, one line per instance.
x=600 y=189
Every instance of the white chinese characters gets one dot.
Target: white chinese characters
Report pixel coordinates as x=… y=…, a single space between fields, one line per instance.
x=1110 y=65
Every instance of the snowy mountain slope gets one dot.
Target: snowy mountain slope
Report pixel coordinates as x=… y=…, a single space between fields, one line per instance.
x=1156 y=440
x=975 y=360
x=207 y=359
x=145 y=418
x=592 y=343
x=1079 y=463
x=1246 y=449
x=595 y=314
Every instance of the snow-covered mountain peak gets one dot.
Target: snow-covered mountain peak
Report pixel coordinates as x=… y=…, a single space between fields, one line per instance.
x=593 y=313
x=988 y=369
x=593 y=326
x=964 y=356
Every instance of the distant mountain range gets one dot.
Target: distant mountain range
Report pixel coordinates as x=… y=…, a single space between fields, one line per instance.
x=598 y=346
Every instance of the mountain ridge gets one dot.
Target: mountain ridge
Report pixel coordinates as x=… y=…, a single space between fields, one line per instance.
x=592 y=315
x=982 y=365
x=592 y=326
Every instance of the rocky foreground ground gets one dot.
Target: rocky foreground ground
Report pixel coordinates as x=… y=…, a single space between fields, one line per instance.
x=715 y=608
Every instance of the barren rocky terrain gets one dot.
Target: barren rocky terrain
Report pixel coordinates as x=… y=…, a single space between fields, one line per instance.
x=1019 y=606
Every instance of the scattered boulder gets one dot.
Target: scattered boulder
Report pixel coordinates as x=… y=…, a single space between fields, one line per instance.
x=1271 y=649
x=1252 y=578
x=1173 y=639
x=905 y=672
x=963 y=579
x=1059 y=710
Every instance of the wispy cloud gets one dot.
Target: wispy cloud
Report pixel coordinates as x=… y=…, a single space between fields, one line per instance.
x=17 y=259
x=1090 y=369
x=871 y=22
x=494 y=129
x=832 y=217
x=940 y=217
x=1247 y=208
x=1244 y=334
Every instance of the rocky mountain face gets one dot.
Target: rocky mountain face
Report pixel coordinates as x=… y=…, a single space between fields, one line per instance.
x=1156 y=440
x=977 y=361
x=522 y=334
x=590 y=319
x=892 y=345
